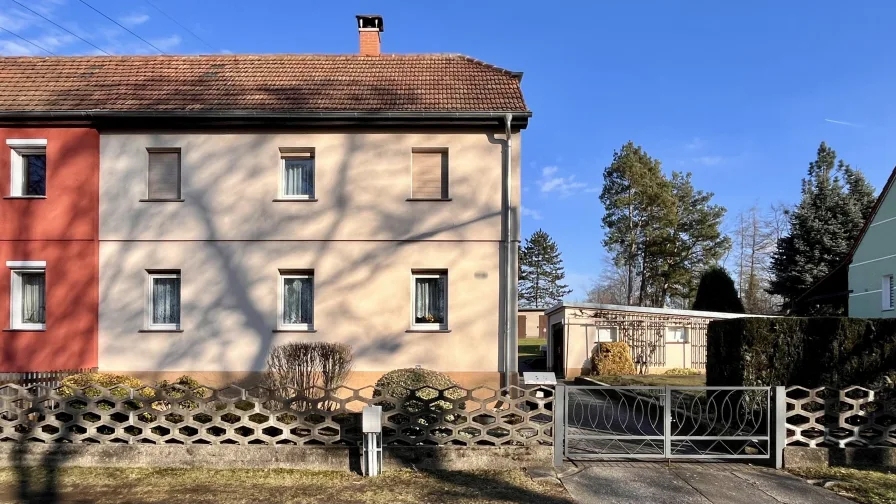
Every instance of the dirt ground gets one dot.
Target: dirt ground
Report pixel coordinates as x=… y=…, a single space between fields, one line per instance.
x=108 y=485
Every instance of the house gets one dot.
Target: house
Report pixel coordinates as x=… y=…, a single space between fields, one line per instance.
x=531 y=323
x=660 y=338
x=864 y=280
x=247 y=201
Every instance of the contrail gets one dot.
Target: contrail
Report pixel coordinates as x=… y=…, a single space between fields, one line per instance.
x=843 y=123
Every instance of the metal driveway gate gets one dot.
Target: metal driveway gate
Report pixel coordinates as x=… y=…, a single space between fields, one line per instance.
x=593 y=422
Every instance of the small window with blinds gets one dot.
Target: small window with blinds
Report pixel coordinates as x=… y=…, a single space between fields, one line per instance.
x=163 y=175
x=887 y=293
x=297 y=174
x=429 y=174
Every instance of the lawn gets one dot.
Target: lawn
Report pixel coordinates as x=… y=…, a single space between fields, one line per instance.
x=654 y=380
x=111 y=485
x=531 y=347
x=867 y=486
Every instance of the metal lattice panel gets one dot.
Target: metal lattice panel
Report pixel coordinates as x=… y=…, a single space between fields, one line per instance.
x=179 y=415
x=851 y=417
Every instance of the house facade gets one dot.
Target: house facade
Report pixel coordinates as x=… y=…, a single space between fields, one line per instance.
x=531 y=323
x=660 y=338
x=49 y=216
x=872 y=262
x=251 y=201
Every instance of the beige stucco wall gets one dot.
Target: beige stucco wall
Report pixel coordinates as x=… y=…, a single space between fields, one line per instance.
x=361 y=238
x=362 y=183
x=531 y=325
x=874 y=258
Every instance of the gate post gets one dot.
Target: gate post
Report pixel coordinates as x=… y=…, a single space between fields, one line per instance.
x=667 y=423
x=780 y=419
x=559 y=424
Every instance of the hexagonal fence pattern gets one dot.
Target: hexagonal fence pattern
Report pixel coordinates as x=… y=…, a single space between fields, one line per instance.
x=248 y=416
x=848 y=417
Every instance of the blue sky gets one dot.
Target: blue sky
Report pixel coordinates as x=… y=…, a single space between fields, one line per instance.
x=739 y=93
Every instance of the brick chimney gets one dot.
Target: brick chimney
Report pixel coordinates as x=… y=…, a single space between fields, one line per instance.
x=369 y=28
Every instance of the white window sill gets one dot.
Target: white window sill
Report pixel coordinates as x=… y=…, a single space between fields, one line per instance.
x=428 y=330
x=160 y=330
x=26 y=196
x=295 y=330
x=25 y=329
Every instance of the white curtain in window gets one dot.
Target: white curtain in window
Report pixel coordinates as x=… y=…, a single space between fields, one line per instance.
x=33 y=298
x=298 y=300
x=166 y=301
x=298 y=177
x=429 y=300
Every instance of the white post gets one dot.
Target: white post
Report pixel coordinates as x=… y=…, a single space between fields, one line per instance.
x=372 y=427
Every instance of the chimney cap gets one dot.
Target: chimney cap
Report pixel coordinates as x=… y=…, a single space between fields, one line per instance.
x=370 y=22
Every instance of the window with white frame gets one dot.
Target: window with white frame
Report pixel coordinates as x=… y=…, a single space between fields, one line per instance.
x=28 y=296
x=28 y=168
x=886 y=292
x=163 y=300
x=430 y=300
x=676 y=335
x=606 y=334
x=296 y=173
x=296 y=300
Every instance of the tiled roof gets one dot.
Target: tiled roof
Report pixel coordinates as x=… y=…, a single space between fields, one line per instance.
x=281 y=83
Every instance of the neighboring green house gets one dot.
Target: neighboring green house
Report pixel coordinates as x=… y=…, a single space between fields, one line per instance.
x=872 y=261
x=864 y=281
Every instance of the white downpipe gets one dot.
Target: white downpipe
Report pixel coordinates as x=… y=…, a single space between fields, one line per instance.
x=510 y=364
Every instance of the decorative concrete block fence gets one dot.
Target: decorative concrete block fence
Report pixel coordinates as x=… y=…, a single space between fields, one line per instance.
x=177 y=415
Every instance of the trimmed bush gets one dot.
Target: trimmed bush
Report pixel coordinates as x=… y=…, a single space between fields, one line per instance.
x=404 y=384
x=88 y=382
x=716 y=292
x=809 y=352
x=615 y=359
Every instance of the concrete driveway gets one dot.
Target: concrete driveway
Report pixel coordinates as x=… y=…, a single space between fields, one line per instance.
x=686 y=483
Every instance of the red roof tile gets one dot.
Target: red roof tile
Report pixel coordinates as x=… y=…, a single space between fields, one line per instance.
x=281 y=83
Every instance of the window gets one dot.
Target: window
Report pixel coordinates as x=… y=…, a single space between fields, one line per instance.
x=676 y=335
x=296 y=300
x=430 y=298
x=163 y=300
x=28 y=163
x=163 y=175
x=28 y=307
x=606 y=334
x=886 y=292
x=430 y=174
x=297 y=173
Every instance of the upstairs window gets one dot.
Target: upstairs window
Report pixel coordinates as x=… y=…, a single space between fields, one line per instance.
x=297 y=173
x=163 y=175
x=28 y=295
x=28 y=163
x=430 y=300
x=430 y=174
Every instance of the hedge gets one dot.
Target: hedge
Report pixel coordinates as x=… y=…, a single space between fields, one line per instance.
x=809 y=352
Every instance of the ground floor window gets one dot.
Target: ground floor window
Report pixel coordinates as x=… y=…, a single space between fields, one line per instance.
x=296 y=300
x=430 y=300
x=28 y=295
x=163 y=300
x=676 y=335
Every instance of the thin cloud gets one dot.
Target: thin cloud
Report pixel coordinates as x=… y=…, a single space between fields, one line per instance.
x=709 y=160
x=133 y=20
x=167 y=43
x=552 y=182
x=843 y=123
x=528 y=212
x=696 y=144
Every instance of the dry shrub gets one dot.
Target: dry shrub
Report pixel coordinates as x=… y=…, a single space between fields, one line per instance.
x=297 y=368
x=682 y=372
x=88 y=382
x=417 y=387
x=613 y=359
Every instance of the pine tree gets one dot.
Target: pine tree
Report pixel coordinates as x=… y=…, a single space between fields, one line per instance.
x=716 y=292
x=541 y=272
x=836 y=201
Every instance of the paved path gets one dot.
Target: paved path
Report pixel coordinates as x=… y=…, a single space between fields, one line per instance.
x=686 y=483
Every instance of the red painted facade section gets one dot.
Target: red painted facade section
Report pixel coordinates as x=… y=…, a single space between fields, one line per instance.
x=62 y=230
